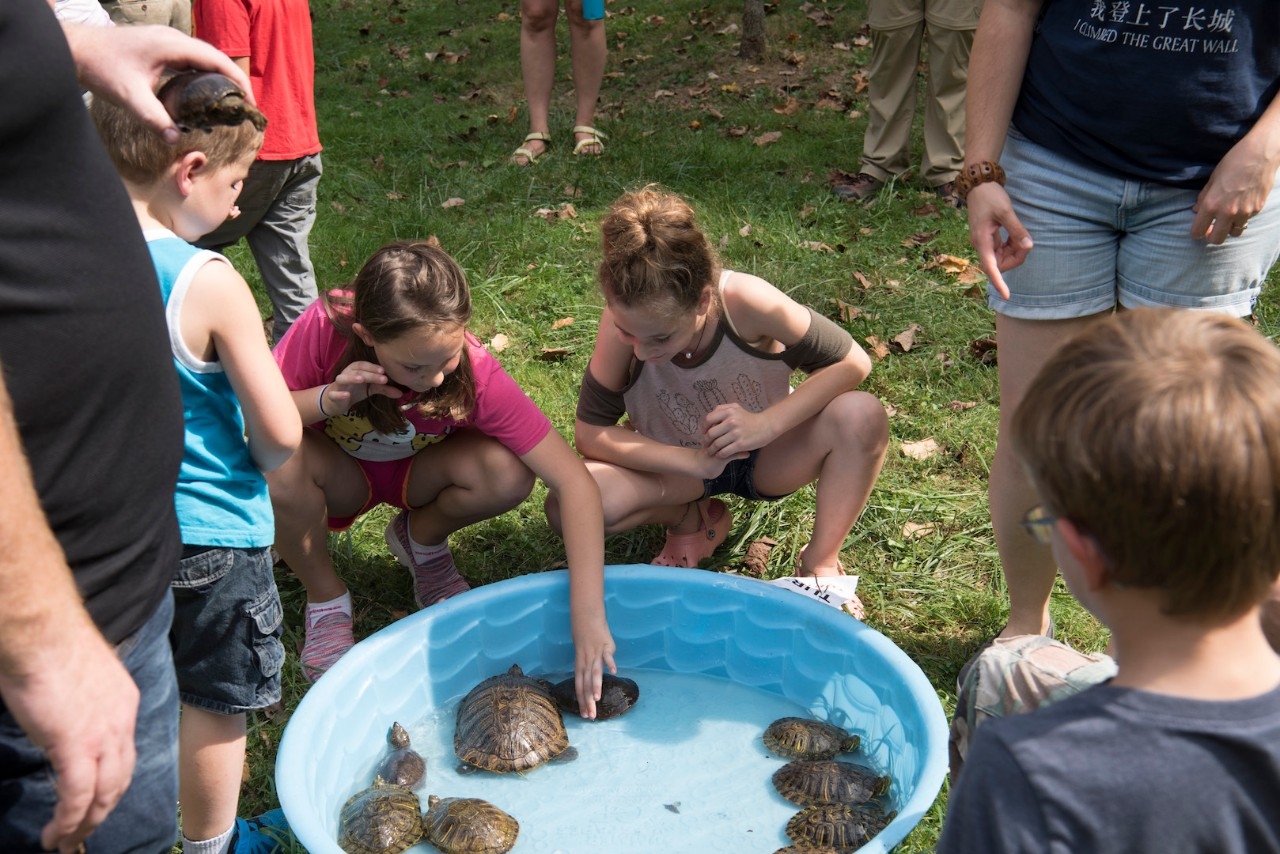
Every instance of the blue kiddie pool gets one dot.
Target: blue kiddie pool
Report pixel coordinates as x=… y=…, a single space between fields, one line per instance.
x=717 y=657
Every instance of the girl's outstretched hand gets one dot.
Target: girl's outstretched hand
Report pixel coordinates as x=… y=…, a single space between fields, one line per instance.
x=731 y=432
x=594 y=648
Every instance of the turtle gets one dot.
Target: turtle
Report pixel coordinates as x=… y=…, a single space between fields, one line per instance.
x=382 y=819
x=841 y=827
x=202 y=99
x=828 y=781
x=509 y=723
x=617 y=695
x=404 y=766
x=468 y=826
x=805 y=738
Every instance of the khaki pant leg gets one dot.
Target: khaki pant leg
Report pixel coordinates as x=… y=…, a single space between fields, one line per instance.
x=944 y=115
x=891 y=89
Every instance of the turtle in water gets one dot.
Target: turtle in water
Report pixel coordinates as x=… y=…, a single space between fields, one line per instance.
x=617 y=695
x=840 y=827
x=805 y=738
x=404 y=766
x=509 y=722
x=203 y=99
x=382 y=819
x=468 y=826
x=828 y=781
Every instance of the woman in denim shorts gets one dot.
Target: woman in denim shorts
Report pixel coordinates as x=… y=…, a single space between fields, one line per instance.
x=1118 y=155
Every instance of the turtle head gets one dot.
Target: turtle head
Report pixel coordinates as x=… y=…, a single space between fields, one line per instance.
x=399 y=736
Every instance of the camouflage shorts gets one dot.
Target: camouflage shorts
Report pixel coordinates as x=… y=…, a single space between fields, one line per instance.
x=1016 y=675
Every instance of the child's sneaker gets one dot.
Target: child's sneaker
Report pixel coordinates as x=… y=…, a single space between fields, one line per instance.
x=433 y=581
x=265 y=834
x=324 y=642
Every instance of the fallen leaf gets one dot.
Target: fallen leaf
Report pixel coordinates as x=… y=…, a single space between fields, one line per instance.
x=807 y=211
x=562 y=323
x=829 y=104
x=455 y=202
x=916 y=530
x=432 y=240
x=499 y=342
x=695 y=125
x=553 y=354
x=922 y=450
x=927 y=209
x=745 y=231
x=572 y=191
x=338 y=206
x=961 y=405
x=512 y=114
x=724 y=240
x=394 y=196
x=920 y=238
x=906 y=339
x=714 y=113
x=756 y=560
x=845 y=311
x=663 y=93
x=862 y=279
x=972 y=275
x=984 y=350
x=790 y=108
x=879 y=349
x=953 y=264
x=768 y=138
x=736 y=132
x=815 y=246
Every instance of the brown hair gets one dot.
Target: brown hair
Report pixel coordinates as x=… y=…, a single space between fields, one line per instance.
x=654 y=253
x=141 y=156
x=405 y=287
x=1158 y=433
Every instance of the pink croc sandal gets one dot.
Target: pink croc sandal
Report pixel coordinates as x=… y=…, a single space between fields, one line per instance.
x=688 y=550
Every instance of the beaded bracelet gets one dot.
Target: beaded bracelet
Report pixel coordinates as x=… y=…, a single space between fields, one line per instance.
x=320 y=400
x=978 y=173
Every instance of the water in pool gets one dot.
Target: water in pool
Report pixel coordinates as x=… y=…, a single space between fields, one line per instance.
x=685 y=770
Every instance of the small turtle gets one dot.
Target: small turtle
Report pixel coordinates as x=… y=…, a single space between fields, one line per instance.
x=203 y=99
x=509 y=723
x=617 y=695
x=382 y=819
x=840 y=827
x=827 y=781
x=404 y=766
x=468 y=826
x=804 y=738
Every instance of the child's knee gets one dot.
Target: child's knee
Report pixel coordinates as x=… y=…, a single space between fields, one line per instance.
x=860 y=421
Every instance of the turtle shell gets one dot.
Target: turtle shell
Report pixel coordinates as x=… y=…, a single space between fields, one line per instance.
x=617 y=695
x=827 y=781
x=203 y=99
x=805 y=738
x=468 y=826
x=382 y=819
x=509 y=723
x=404 y=766
x=841 y=827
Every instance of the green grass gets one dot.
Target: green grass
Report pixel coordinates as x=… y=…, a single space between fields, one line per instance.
x=403 y=134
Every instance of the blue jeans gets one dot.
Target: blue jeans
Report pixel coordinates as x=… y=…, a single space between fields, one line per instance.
x=277 y=209
x=1102 y=240
x=145 y=821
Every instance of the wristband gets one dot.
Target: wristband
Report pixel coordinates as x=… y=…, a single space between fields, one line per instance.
x=320 y=400
x=978 y=173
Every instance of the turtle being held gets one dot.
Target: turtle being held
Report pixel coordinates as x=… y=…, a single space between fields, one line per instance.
x=204 y=99
x=805 y=738
x=382 y=819
x=468 y=826
x=617 y=695
x=827 y=781
x=404 y=766
x=509 y=722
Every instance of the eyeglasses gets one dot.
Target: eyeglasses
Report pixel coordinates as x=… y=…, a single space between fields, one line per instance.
x=1039 y=524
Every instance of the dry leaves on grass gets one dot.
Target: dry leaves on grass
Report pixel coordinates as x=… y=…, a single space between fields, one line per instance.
x=815 y=246
x=844 y=311
x=768 y=138
x=961 y=405
x=984 y=350
x=565 y=211
x=455 y=202
x=922 y=450
x=920 y=238
x=553 y=354
x=499 y=342
x=965 y=271
x=562 y=323
x=756 y=561
x=906 y=339
x=877 y=348
x=917 y=530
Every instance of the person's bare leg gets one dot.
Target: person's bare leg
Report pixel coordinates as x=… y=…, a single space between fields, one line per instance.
x=590 y=50
x=319 y=480
x=1029 y=570
x=211 y=751
x=843 y=448
x=538 y=66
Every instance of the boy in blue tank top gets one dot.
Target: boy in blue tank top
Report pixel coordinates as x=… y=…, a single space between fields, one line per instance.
x=240 y=422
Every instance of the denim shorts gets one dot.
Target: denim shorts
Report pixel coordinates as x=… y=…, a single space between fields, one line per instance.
x=226 y=630
x=1102 y=240
x=738 y=478
x=145 y=819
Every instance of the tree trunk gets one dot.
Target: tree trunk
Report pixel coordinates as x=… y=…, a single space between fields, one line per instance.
x=753 y=41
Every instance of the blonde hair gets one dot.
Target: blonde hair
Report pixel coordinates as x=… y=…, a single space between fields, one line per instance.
x=405 y=287
x=654 y=253
x=1157 y=431
x=141 y=156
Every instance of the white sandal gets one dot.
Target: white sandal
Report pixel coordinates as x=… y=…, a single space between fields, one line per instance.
x=529 y=156
x=596 y=138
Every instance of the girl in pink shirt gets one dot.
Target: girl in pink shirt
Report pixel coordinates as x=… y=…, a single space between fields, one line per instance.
x=407 y=408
